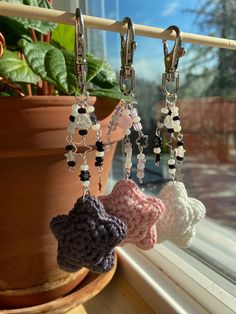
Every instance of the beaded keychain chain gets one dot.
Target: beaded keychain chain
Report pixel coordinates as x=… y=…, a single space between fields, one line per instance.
x=126 y=114
x=83 y=116
x=88 y=235
x=182 y=212
x=139 y=212
x=170 y=112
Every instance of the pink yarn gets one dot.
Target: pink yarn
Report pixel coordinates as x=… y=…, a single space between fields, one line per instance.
x=139 y=212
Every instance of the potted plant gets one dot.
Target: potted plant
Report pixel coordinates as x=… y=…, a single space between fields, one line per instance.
x=37 y=88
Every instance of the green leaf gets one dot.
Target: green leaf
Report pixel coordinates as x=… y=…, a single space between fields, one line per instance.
x=56 y=68
x=15 y=69
x=94 y=66
x=70 y=70
x=64 y=36
x=111 y=93
x=40 y=26
x=13 y=30
x=106 y=77
x=35 y=53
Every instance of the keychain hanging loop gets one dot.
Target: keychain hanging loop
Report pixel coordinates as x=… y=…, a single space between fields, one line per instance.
x=171 y=60
x=128 y=46
x=80 y=52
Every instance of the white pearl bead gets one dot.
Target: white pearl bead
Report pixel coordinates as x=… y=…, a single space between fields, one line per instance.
x=136 y=119
x=75 y=107
x=177 y=128
x=84 y=167
x=90 y=109
x=85 y=183
x=127 y=132
x=141 y=166
x=128 y=164
x=171 y=162
x=175 y=110
x=99 y=154
x=141 y=156
x=156 y=150
x=96 y=127
x=172 y=172
x=83 y=121
x=168 y=122
x=164 y=110
x=140 y=175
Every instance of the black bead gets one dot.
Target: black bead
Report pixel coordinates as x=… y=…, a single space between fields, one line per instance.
x=72 y=118
x=157 y=141
x=180 y=143
x=83 y=132
x=100 y=146
x=81 y=110
x=179 y=158
x=98 y=164
x=69 y=147
x=170 y=130
x=176 y=118
x=171 y=166
x=100 y=159
x=158 y=157
x=71 y=163
x=162 y=119
x=93 y=118
x=84 y=175
x=99 y=143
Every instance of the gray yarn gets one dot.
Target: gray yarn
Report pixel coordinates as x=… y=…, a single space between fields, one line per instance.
x=87 y=236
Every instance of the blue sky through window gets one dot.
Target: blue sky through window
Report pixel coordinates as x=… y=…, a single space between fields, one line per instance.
x=148 y=60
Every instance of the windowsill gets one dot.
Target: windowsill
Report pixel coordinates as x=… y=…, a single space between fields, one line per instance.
x=171 y=280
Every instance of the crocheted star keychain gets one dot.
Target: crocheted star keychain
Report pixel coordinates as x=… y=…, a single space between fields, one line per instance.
x=88 y=235
x=182 y=212
x=181 y=215
x=139 y=212
x=126 y=201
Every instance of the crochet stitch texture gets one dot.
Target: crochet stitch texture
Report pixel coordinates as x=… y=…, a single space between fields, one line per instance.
x=87 y=236
x=139 y=212
x=182 y=213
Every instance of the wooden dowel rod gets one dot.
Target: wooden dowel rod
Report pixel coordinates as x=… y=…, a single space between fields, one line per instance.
x=11 y=9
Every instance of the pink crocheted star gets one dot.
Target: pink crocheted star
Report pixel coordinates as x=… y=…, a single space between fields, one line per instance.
x=139 y=212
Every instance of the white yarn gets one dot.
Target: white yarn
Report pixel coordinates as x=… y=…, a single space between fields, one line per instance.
x=182 y=213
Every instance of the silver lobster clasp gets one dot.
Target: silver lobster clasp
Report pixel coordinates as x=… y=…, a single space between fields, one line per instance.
x=128 y=46
x=80 y=51
x=171 y=60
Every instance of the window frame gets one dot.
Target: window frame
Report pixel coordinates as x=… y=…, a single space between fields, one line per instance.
x=171 y=279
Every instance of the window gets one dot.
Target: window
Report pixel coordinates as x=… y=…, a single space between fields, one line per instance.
x=207 y=102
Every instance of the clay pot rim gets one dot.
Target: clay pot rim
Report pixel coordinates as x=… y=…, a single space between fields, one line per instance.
x=71 y=300
x=47 y=101
x=45 y=287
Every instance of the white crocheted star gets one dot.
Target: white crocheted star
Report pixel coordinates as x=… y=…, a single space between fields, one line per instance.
x=182 y=213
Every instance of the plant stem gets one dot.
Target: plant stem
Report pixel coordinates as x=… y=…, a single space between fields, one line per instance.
x=28 y=88
x=27 y=85
x=33 y=35
x=47 y=37
x=41 y=37
x=45 y=88
x=50 y=89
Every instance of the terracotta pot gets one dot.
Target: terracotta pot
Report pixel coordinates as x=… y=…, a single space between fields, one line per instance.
x=35 y=186
x=86 y=290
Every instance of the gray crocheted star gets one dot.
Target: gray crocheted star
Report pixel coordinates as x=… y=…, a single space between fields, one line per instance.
x=87 y=236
